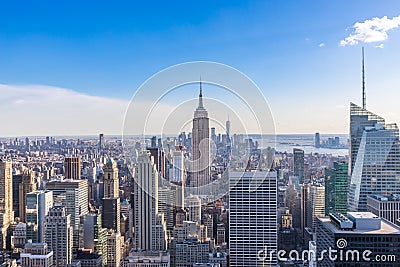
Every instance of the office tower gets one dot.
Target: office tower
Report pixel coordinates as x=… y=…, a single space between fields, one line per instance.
x=298 y=164
x=76 y=201
x=228 y=128
x=146 y=204
x=208 y=222
x=101 y=141
x=58 y=235
x=359 y=231
x=316 y=205
x=110 y=180
x=317 y=140
x=252 y=217
x=220 y=234
x=200 y=172
x=6 y=211
x=18 y=238
x=94 y=235
x=292 y=201
x=38 y=204
x=193 y=205
x=305 y=194
x=158 y=157
x=111 y=208
x=180 y=217
x=287 y=234
x=374 y=157
x=114 y=244
x=179 y=167
x=166 y=204
x=336 y=188
x=111 y=212
x=26 y=186
x=385 y=206
x=127 y=213
x=147 y=258
x=36 y=254
x=16 y=181
x=72 y=168
x=213 y=135
x=190 y=252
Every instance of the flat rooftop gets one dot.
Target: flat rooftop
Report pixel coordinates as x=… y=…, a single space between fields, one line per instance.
x=386 y=228
x=386 y=198
x=362 y=215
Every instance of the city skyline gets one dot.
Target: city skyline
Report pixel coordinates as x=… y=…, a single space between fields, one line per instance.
x=92 y=64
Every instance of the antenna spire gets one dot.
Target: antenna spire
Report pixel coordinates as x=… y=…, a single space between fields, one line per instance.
x=364 y=99
x=201 y=96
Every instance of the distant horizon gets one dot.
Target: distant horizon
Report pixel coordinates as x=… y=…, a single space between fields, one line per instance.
x=167 y=135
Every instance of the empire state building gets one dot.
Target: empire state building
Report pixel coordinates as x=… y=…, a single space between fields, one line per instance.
x=200 y=145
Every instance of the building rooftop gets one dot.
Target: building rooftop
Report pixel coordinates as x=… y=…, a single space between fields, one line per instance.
x=362 y=215
x=386 y=227
x=386 y=198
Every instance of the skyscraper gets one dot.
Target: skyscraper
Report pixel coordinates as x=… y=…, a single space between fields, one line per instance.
x=317 y=140
x=228 y=128
x=72 y=167
x=316 y=205
x=336 y=187
x=26 y=186
x=348 y=237
x=111 y=182
x=179 y=167
x=374 y=157
x=305 y=195
x=94 y=235
x=38 y=204
x=146 y=205
x=6 y=211
x=58 y=235
x=111 y=212
x=76 y=201
x=101 y=141
x=200 y=145
x=252 y=218
x=114 y=244
x=298 y=164
x=386 y=207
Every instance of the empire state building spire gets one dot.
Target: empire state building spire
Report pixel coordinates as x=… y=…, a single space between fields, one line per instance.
x=201 y=97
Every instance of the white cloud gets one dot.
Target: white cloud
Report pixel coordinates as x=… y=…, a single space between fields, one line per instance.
x=370 y=31
x=46 y=110
x=379 y=46
x=322 y=45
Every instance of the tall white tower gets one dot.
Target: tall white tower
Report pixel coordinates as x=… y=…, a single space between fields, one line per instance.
x=149 y=227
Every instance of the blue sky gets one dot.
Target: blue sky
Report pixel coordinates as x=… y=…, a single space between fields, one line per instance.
x=291 y=49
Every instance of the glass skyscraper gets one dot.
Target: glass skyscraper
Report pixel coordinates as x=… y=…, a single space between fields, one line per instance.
x=336 y=188
x=374 y=166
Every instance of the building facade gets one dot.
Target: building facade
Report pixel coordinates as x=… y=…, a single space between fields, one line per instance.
x=336 y=188
x=252 y=217
x=374 y=157
x=58 y=235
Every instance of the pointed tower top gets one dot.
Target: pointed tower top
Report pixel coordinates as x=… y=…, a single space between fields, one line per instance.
x=201 y=96
x=364 y=98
